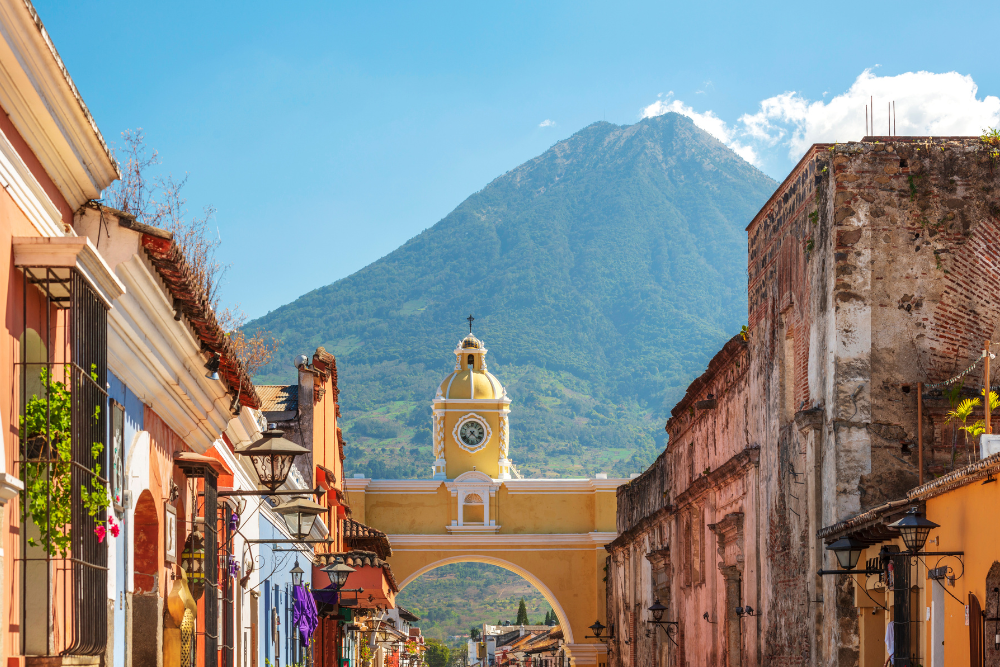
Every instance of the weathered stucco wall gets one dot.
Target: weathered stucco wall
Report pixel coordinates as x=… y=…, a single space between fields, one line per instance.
x=874 y=266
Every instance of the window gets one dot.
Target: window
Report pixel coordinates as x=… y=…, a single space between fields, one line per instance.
x=472 y=361
x=63 y=462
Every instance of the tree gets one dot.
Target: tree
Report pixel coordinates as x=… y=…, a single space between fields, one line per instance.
x=474 y=633
x=522 y=614
x=437 y=653
x=157 y=202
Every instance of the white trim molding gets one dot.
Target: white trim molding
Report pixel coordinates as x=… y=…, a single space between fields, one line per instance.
x=44 y=105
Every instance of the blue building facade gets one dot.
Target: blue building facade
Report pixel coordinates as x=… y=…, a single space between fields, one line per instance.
x=281 y=644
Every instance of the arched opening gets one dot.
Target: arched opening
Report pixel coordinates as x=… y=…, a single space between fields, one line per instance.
x=546 y=594
x=473 y=510
x=146 y=545
x=472 y=362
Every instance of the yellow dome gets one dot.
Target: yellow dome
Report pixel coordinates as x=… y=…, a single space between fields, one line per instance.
x=482 y=384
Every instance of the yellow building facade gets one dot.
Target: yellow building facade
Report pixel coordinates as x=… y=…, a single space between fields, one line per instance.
x=475 y=509
x=954 y=605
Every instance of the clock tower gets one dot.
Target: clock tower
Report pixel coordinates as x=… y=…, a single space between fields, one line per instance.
x=470 y=417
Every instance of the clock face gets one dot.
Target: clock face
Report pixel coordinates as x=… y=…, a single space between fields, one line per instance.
x=472 y=433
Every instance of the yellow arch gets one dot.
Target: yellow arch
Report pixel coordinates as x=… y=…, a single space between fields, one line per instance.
x=564 y=624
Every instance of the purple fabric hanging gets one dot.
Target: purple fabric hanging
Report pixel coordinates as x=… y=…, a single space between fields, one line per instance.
x=304 y=614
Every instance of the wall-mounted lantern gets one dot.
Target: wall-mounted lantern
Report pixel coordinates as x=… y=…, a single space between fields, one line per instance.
x=299 y=515
x=296 y=573
x=669 y=627
x=338 y=572
x=272 y=457
x=914 y=529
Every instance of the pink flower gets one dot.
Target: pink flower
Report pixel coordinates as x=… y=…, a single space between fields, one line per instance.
x=100 y=532
x=114 y=530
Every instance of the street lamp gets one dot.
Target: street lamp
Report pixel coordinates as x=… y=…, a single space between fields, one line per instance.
x=272 y=456
x=657 y=611
x=597 y=628
x=848 y=551
x=338 y=572
x=299 y=515
x=297 y=573
x=914 y=529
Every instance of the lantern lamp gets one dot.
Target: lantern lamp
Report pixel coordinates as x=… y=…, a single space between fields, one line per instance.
x=597 y=628
x=914 y=529
x=848 y=551
x=193 y=561
x=272 y=457
x=213 y=367
x=657 y=610
x=299 y=515
x=338 y=572
x=297 y=573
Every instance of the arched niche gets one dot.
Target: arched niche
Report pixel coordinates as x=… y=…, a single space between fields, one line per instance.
x=146 y=545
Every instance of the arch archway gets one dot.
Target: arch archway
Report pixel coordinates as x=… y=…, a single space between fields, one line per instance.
x=510 y=567
x=146 y=545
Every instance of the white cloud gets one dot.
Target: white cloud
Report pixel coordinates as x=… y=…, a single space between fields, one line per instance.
x=547 y=123
x=707 y=121
x=927 y=103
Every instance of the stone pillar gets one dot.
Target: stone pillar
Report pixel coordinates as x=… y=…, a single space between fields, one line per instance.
x=730 y=536
x=733 y=577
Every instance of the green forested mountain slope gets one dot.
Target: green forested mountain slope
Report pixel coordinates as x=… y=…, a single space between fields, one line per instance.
x=603 y=276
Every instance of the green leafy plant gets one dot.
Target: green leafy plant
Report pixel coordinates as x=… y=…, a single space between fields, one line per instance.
x=46 y=436
x=991 y=144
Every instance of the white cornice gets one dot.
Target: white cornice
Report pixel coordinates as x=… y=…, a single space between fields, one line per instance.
x=41 y=100
x=27 y=192
x=504 y=542
x=161 y=362
x=76 y=252
x=359 y=484
x=562 y=485
x=393 y=485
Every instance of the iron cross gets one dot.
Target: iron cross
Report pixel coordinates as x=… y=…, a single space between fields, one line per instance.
x=470 y=318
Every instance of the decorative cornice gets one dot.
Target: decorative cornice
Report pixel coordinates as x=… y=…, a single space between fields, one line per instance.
x=44 y=105
x=730 y=534
x=732 y=468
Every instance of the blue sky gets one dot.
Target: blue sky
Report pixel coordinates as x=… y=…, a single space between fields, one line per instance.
x=328 y=133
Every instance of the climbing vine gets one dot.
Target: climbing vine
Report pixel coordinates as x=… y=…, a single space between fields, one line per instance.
x=46 y=434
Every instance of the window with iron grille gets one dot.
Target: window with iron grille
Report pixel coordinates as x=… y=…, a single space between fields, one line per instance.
x=62 y=443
